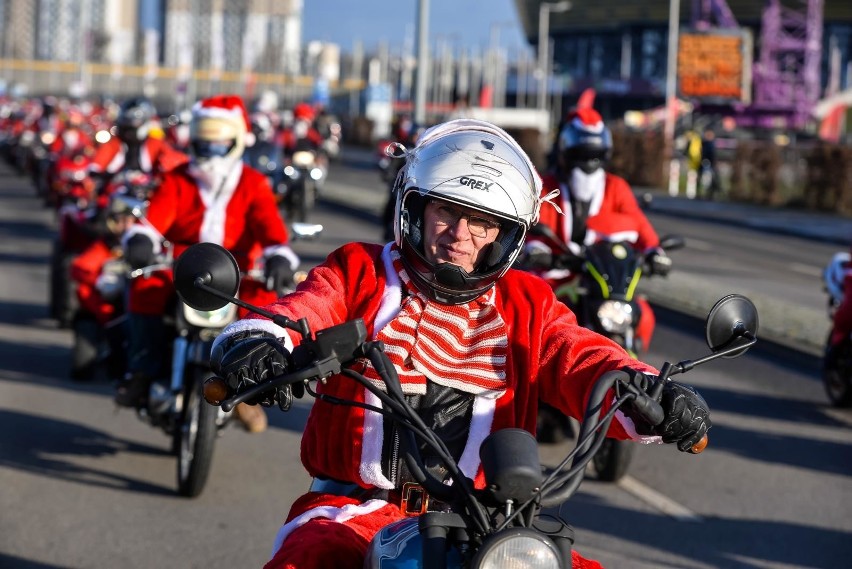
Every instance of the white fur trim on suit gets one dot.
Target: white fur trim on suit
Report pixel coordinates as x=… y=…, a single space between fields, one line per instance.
x=282 y=251
x=628 y=426
x=335 y=514
x=372 y=440
x=147 y=231
x=392 y=295
x=480 y=428
x=255 y=325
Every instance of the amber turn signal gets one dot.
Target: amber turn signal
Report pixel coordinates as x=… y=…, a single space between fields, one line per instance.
x=215 y=390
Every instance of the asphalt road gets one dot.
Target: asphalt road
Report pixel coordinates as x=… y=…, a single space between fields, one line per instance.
x=88 y=486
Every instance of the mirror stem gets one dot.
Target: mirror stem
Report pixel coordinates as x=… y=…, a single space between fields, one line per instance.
x=687 y=365
x=301 y=326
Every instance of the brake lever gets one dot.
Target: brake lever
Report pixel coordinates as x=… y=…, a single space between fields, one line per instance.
x=320 y=371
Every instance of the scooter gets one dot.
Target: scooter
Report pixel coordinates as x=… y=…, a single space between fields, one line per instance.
x=504 y=523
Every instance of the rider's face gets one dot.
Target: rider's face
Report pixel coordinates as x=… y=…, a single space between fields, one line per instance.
x=451 y=236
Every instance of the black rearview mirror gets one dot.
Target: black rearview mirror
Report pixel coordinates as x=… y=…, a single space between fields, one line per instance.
x=732 y=321
x=209 y=264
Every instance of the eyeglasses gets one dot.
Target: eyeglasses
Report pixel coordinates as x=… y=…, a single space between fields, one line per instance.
x=446 y=215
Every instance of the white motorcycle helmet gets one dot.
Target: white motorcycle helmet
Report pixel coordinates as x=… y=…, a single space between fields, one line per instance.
x=220 y=129
x=477 y=165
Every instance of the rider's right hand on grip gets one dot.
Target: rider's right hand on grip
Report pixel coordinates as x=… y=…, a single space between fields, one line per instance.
x=247 y=359
x=687 y=417
x=680 y=417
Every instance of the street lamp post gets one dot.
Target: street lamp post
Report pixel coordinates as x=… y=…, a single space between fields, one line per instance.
x=422 y=48
x=671 y=165
x=543 y=43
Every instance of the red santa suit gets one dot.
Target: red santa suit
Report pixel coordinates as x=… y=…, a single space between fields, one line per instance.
x=155 y=155
x=241 y=215
x=550 y=358
x=842 y=322
x=85 y=270
x=613 y=214
x=612 y=196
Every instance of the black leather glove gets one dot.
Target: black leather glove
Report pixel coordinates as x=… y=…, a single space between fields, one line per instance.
x=278 y=274
x=658 y=262
x=249 y=358
x=139 y=251
x=686 y=415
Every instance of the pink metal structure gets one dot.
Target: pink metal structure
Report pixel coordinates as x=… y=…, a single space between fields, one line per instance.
x=786 y=74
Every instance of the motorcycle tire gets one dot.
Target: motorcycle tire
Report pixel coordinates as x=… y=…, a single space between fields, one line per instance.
x=84 y=353
x=195 y=437
x=306 y=202
x=838 y=386
x=63 y=291
x=612 y=460
x=552 y=427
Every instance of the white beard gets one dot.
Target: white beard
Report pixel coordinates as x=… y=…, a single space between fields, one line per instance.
x=585 y=187
x=300 y=129
x=212 y=172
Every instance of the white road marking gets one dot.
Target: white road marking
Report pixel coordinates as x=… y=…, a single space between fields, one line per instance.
x=806 y=269
x=699 y=245
x=663 y=503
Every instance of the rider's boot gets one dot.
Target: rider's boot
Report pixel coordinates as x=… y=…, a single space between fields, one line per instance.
x=132 y=390
x=253 y=417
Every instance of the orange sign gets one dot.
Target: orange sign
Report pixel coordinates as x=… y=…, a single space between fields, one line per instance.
x=714 y=66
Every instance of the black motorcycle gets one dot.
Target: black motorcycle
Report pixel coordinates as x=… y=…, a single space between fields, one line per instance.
x=505 y=524
x=176 y=406
x=267 y=157
x=304 y=173
x=599 y=286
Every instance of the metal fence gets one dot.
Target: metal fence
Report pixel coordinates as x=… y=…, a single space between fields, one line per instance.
x=34 y=77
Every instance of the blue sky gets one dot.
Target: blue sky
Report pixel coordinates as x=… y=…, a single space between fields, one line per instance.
x=465 y=23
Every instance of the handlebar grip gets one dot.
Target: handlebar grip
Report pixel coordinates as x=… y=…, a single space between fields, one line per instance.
x=700 y=445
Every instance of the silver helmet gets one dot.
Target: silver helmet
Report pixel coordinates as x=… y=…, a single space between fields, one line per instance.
x=476 y=165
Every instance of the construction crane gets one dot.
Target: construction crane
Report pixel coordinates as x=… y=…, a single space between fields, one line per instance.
x=786 y=74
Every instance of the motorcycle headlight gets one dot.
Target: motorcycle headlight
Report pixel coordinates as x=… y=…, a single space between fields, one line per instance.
x=615 y=316
x=316 y=174
x=303 y=159
x=289 y=171
x=210 y=319
x=518 y=548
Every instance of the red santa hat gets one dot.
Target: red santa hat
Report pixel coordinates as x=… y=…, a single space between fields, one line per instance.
x=229 y=107
x=587 y=119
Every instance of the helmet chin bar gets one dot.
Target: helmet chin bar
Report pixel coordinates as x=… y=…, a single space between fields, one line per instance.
x=589 y=166
x=445 y=282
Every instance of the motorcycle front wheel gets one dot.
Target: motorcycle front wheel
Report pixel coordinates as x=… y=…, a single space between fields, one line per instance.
x=612 y=460
x=838 y=387
x=195 y=437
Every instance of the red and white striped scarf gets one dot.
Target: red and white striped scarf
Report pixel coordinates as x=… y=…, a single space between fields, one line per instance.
x=461 y=346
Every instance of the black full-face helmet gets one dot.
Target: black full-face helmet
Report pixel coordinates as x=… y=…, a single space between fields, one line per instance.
x=584 y=142
x=476 y=165
x=134 y=120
